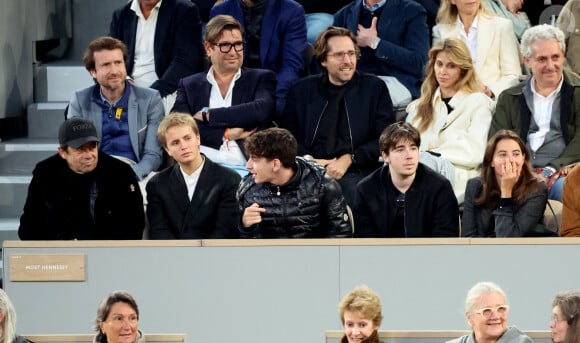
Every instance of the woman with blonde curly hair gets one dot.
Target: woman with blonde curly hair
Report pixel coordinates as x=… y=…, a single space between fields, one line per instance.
x=452 y=115
x=360 y=314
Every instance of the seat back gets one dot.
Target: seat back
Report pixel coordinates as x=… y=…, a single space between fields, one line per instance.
x=553 y=216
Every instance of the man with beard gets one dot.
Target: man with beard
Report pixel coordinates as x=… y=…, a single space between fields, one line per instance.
x=164 y=43
x=126 y=116
x=338 y=115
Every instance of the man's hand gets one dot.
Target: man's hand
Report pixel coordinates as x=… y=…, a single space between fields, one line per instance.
x=485 y=89
x=366 y=37
x=252 y=215
x=322 y=162
x=338 y=167
x=199 y=117
x=235 y=133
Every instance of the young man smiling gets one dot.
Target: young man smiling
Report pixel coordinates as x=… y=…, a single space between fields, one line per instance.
x=229 y=102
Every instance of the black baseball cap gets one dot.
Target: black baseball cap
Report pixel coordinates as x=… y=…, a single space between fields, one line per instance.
x=75 y=132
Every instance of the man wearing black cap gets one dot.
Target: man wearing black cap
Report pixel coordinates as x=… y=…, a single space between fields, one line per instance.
x=82 y=193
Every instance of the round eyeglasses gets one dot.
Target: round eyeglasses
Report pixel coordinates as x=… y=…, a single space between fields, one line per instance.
x=486 y=312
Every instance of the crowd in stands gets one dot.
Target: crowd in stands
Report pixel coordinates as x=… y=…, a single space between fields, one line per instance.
x=236 y=135
x=486 y=312
x=360 y=312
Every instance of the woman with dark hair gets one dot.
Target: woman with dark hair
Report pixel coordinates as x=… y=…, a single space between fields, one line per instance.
x=508 y=199
x=452 y=115
x=118 y=319
x=565 y=324
x=8 y=321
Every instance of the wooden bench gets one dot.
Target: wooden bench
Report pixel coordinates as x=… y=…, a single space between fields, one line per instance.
x=82 y=338
x=438 y=336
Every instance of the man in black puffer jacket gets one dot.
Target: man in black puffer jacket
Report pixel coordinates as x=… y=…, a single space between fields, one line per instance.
x=285 y=196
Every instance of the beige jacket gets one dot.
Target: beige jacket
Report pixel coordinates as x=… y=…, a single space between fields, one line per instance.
x=569 y=22
x=497 y=63
x=460 y=136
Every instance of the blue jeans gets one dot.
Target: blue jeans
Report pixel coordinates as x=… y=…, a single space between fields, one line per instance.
x=315 y=24
x=557 y=188
x=348 y=183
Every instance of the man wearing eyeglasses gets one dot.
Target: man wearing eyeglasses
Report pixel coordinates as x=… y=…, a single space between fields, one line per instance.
x=275 y=36
x=404 y=198
x=338 y=115
x=229 y=102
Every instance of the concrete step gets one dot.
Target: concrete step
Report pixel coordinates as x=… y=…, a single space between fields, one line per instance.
x=45 y=118
x=58 y=80
x=19 y=156
x=17 y=160
x=9 y=229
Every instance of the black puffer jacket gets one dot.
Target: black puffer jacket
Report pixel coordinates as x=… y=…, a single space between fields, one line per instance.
x=310 y=205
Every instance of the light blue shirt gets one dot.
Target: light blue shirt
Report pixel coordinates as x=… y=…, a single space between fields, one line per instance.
x=375 y=6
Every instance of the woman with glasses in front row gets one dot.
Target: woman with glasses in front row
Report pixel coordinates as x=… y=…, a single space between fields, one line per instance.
x=487 y=314
x=565 y=324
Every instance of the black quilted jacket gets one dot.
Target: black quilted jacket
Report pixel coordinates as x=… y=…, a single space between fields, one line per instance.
x=310 y=205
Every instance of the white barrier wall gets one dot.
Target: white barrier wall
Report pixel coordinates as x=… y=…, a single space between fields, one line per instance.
x=288 y=290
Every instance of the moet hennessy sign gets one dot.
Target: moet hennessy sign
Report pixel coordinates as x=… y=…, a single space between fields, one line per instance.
x=47 y=267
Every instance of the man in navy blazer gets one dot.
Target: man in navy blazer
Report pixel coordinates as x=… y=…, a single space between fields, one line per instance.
x=126 y=116
x=393 y=38
x=276 y=37
x=229 y=102
x=195 y=198
x=176 y=41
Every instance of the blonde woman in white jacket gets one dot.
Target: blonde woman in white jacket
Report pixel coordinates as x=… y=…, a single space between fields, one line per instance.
x=453 y=115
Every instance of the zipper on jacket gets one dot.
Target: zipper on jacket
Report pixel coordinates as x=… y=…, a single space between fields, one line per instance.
x=349 y=128
x=318 y=124
x=347 y=121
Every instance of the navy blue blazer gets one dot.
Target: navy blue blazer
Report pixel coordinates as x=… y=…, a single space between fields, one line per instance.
x=253 y=103
x=282 y=40
x=212 y=212
x=177 y=44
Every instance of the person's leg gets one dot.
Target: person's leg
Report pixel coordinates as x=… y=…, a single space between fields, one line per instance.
x=438 y=164
x=400 y=95
x=348 y=184
x=557 y=188
x=315 y=24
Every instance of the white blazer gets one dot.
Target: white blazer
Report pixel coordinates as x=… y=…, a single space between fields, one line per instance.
x=459 y=136
x=498 y=61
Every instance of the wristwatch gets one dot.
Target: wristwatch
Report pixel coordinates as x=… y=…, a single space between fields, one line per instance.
x=375 y=43
x=204 y=112
x=548 y=171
